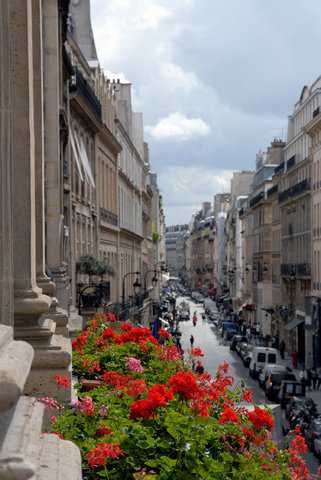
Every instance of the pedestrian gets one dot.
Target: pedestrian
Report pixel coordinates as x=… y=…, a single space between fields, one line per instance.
x=319 y=378
x=191 y=339
x=282 y=349
x=309 y=379
x=314 y=378
x=294 y=356
x=199 y=368
x=302 y=377
x=194 y=319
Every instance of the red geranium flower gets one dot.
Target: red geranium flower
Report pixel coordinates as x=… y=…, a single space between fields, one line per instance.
x=164 y=333
x=247 y=396
x=141 y=409
x=229 y=415
x=62 y=381
x=261 y=418
x=101 y=431
x=108 y=333
x=197 y=352
x=184 y=383
x=115 y=379
x=99 y=455
x=126 y=327
x=110 y=317
x=170 y=353
x=134 y=387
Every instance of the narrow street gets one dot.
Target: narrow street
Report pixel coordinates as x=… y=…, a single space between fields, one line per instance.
x=216 y=352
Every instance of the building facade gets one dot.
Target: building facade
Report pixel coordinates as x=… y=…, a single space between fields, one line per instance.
x=175 y=248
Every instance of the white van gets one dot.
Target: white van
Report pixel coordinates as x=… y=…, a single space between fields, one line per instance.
x=262 y=356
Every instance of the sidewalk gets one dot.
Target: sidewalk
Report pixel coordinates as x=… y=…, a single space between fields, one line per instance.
x=314 y=394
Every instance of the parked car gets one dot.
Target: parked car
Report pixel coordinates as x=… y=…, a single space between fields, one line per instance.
x=235 y=342
x=273 y=377
x=288 y=390
x=229 y=329
x=262 y=356
x=240 y=345
x=246 y=354
x=313 y=435
x=267 y=370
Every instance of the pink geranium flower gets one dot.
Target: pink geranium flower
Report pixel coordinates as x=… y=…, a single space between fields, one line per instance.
x=134 y=365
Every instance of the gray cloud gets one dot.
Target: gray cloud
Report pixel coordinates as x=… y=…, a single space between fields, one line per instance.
x=237 y=67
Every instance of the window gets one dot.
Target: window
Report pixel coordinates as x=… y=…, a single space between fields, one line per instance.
x=271 y=358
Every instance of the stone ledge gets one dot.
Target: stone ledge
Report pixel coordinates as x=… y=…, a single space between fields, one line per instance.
x=55 y=355
x=20 y=442
x=6 y=336
x=59 y=460
x=15 y=365
x=26 y=453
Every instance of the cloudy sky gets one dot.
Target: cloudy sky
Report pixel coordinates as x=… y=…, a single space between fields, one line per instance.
x=215 y=80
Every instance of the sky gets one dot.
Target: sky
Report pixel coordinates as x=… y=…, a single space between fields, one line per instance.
x=215 y=80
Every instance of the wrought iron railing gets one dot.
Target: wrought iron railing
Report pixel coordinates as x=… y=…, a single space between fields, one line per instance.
x=294 y=191
x=85 y=90
x=296 y=269
x=290 y=163
x=256 y=199
x=279 y=169
x=272 y=190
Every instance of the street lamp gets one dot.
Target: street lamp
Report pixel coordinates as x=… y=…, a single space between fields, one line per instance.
x=154 y=279
x=136 y=285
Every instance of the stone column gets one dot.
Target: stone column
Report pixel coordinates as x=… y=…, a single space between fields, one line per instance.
x=31 y=306
x=48 y=287
x=6 y=262
x=28 y=297
x=53 y=173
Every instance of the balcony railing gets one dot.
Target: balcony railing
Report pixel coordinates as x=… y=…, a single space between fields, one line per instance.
x=84 y=89
x=296 y=270
x=256 y=199
x=272 y=190
x=294 y=191
x=279 y=169
x=290 y=163
x=109 y=217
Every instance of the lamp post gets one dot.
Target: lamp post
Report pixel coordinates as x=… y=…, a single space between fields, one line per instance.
x=136 y=284
x=154 y=279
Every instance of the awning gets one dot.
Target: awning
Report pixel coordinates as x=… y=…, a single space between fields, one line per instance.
x=75 y=152
x=294 y=323
x=81 y=158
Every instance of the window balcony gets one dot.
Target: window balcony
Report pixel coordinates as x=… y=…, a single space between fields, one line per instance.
x=296 y=270
x=108 y=217
x=83 y=88
x=290 y=163
x=295 y=191
x=279 y=168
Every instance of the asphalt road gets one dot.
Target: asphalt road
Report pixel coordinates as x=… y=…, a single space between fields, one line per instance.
x=217 y=351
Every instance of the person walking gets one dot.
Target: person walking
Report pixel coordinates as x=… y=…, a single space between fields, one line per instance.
x=199 y=368
x=319 y=378
x=314 y=378
x=282 y=349
x=294 y=356
x=194 y=319
x=191 y=340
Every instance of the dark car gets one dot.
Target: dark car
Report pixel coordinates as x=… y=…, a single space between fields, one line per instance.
x=229 y=329
x=235 y=340
x=288 y=390
x=274 y=381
